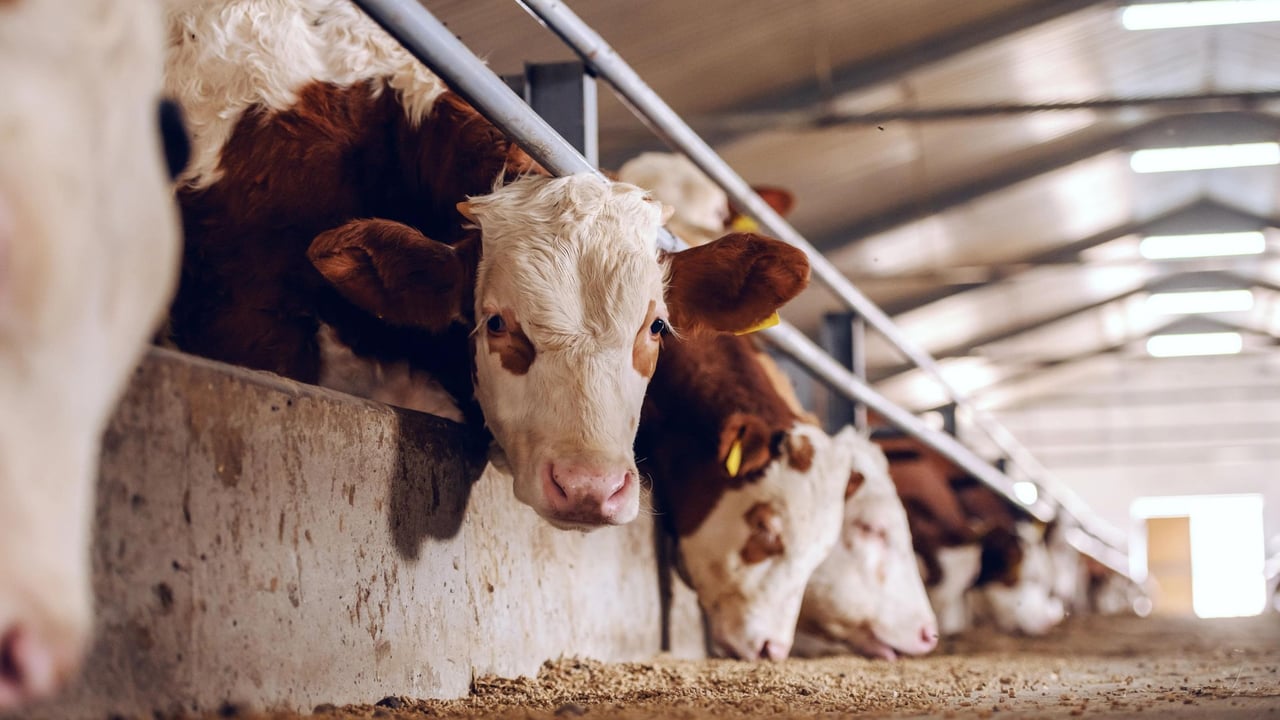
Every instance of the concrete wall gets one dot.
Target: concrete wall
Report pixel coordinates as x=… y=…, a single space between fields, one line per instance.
x=271 y=544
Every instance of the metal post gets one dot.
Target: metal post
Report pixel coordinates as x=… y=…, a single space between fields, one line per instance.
x=836 y=337
x=565 y=96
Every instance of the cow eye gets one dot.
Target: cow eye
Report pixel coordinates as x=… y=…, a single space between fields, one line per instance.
x=496 y=325
x=659 y=327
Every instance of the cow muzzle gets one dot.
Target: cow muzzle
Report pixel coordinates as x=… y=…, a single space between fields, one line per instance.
x=586 y=495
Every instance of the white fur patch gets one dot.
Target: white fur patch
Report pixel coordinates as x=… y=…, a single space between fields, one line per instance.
x=701 y=207
x=960 y=568
x=226 y=56
x=868 y=592
x=750 y=603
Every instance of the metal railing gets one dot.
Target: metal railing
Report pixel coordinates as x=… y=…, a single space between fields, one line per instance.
x=431 y=42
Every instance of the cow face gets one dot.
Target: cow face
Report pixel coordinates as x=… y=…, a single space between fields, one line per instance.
x=751 y=557
x=868 y=594
x=88 y=258
x=569 y=301
x=957 y=570
x=1023 y=601
x=571 y=304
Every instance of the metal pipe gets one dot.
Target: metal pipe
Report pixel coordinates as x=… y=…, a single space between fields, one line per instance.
x=427 y=39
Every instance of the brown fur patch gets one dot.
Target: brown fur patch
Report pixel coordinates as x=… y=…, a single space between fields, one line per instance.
x=707 y=392
x=644 y=354
x=250 y=295
x=765 y=540
x=855 y=483
x=515 y=350
x=799 y=452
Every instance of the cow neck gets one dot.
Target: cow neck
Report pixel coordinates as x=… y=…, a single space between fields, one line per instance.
x=700 y=381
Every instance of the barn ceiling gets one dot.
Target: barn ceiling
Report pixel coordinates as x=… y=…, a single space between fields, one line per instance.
x=966 y=164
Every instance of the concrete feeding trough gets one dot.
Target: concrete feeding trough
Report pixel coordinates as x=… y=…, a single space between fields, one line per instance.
x=275 y=545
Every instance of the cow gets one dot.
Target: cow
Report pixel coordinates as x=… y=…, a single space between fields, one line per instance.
x=702 y=209
x=342 y=192
x=88 y=259
x=868 y=596
x=981 y=555
x=751 y=492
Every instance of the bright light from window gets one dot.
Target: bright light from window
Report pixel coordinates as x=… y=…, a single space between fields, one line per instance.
x=1026 y=492
x=1205 y=157
x=1171 y=247
x=1200 y=301
x=1189 y=344
x=1194 y=14
x=1227 y=550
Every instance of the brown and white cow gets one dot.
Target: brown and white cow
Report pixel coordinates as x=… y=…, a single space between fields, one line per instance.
x=88 y=258
x=868 y=596
x=751 y=491
x=702 y=209
x=339 y=190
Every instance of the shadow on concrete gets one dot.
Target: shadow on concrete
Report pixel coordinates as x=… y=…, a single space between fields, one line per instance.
x=438 y=463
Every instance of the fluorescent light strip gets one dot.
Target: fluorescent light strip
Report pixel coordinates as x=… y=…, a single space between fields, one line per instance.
x=1159 y=16
x=1200 y=301
x=1192 y=344
x=1205 y=157
x=1170 y=247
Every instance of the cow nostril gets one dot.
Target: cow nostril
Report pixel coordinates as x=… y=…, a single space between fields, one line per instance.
x=27 y=667
x=620 y=488
x=928 y=635
x=10 y=668
x=555 y=486
x=766 y=651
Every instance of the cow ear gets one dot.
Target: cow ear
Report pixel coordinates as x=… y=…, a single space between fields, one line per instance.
x=396 y=273
x=782 y=201
x=734 y=283
x=746 y=445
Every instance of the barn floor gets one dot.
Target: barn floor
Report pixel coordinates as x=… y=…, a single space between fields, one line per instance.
x=1093 y=667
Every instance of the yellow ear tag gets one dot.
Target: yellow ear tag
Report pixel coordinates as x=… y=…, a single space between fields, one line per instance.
x=733 y=463
x=742 y=223
x=763 y=324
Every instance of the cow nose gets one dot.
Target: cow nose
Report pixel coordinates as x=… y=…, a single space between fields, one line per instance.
x=774 y=650
x=586 y=494
x=928 y=637
x=28 y=667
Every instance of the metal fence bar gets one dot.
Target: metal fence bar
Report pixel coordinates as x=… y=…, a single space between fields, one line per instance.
x=667 y=124
x=432 y=43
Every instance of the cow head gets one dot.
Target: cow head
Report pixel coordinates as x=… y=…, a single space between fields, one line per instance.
x=1020 y=595
x=702 y=210
x=750 y=558
x=569 y=300
x=868 y=594
x=88 y=258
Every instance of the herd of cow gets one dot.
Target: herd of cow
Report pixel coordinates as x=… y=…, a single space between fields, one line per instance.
x=343 y=218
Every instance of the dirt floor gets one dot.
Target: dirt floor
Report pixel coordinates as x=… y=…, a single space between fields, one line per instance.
x=1091 y=667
